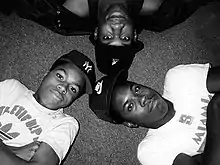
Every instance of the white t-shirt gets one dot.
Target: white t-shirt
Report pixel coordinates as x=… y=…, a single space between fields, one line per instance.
x=185 y=87
x=23 y=120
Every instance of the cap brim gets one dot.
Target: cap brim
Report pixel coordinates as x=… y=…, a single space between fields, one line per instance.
x=100 y=102
x=116 y=78
x=89 y=87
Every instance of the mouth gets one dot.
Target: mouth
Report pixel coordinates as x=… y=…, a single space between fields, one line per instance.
x=116 y=15
x=150 y=102
x=56 y=94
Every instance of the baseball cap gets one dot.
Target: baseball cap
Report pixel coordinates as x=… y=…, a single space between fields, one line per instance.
x=85 y=65
x=111 y=59
x=100 y=99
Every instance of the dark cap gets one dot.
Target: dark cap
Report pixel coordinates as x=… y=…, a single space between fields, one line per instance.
x=84 y=64
x=100 y=99
x=111 y=59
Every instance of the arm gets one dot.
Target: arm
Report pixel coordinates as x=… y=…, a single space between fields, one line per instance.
x=45 y=155
x=25 y=152
x=170 y=13
x=183 y=159
x=213 y=80
x=212 y=147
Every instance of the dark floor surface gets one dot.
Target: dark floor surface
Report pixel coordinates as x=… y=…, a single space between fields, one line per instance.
x=27 y=50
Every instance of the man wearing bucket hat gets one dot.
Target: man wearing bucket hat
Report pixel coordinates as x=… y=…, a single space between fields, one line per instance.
x=33 y=126
x=176 y=120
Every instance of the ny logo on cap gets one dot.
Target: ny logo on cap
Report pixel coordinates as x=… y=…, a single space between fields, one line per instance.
x=87 y=67
x=98 y=87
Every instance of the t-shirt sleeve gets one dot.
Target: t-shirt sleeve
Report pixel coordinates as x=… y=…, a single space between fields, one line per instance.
x=157 y=149
x=62 y=136
x=151 y=152
x=185 y=78
x=11 y=88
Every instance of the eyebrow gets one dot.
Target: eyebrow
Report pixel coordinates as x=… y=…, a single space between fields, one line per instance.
x=125 y=105
x=131 y=86
x=126 y=102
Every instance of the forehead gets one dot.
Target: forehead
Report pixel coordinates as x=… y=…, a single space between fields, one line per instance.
x=120 y=94
x=72 y=71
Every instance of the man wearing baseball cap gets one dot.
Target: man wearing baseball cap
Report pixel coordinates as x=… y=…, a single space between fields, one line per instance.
x=181 y=123
x=34 y=123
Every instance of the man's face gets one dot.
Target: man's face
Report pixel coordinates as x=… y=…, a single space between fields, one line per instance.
x=139 y=104
x=60 y=87
x=115 y=27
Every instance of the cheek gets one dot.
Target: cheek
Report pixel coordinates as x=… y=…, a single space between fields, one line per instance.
x=162 y=107
x=103 y=30
x=70 y=98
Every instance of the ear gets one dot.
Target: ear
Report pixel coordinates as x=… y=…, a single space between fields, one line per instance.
x=135 y=35
x=46 y=73
x=130 y=125
x=95 y=34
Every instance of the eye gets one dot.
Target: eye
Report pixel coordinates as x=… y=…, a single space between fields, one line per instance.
x=125 y=38
x=59 y=76
x=73 y=89
x=130 y=107
x=107 y=37
x=137 y=89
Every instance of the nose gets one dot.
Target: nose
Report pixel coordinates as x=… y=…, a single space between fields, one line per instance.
x=116 y=26
x=62 y=88
x=143 y=100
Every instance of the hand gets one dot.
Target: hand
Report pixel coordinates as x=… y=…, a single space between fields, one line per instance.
x=26 y=152
x=184 y=159
x=213 y=118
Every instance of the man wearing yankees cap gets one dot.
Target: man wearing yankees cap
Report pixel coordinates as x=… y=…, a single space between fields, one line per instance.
x=33 y=126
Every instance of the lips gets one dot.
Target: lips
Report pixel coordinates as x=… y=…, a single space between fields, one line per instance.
x=57 y=95
x=149 y=101
x=116 y=15
x=116 y=19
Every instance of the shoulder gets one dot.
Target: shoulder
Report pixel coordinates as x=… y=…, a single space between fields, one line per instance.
x=11 y=85
x=61 y=135
x=71 y=122
x=186 y=78
x=67 y=119
x=190 y=72
x=10 y=82
x=160 y=146
x=156 y=150
x=186 y=70
x=66 y=125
